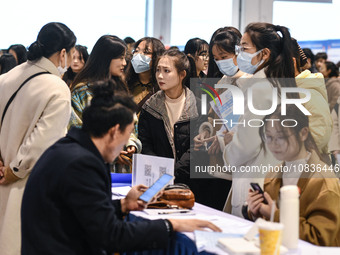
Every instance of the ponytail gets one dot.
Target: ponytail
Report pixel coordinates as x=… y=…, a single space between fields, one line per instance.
x=192 y=69
x=283 y=64
x=280 y=63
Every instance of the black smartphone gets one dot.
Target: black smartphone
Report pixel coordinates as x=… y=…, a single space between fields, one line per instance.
x=155 y=188
x=256 y=186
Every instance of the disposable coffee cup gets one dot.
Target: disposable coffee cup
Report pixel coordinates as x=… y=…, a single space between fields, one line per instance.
x=270 y=237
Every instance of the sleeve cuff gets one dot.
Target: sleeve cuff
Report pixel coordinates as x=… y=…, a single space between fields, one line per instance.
x=135 y=142
x=18 y=171
x=117 y=205
x=169 y=227
x=221 y=142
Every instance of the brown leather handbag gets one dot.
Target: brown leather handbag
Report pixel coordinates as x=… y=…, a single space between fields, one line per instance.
x=175 y=196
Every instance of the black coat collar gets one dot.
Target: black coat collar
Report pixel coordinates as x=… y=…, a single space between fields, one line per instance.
x=84 y=140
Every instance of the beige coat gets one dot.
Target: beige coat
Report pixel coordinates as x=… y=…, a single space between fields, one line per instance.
x=333 y=91
x=37 y=117
x=319 y=203
x=320 y=120
x=334 y=142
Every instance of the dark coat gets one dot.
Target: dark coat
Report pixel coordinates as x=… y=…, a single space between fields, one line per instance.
x=154 y=131
x=155 y=135
x=67 y=206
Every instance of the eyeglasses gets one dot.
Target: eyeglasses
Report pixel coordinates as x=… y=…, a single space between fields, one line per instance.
x=280 y=140
x=204 y=56
x=145 y=52
x=240 y=48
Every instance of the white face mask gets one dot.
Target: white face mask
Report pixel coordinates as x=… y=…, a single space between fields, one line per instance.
x=227 y=66
x=60 y=69
x=244 y=62
x=140 y=63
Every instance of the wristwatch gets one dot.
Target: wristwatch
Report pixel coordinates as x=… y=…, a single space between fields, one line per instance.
x=169 y=227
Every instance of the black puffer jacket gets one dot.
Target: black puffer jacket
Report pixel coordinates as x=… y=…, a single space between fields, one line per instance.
x=154 y=131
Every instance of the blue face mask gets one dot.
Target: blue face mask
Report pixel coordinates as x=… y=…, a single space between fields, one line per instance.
x=244 y=62
x=140 y=63
x=227 y=66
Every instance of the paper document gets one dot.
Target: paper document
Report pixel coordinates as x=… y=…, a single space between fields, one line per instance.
x=225 y=111
x=147 y=169
x=207 y=241
x=120 y=192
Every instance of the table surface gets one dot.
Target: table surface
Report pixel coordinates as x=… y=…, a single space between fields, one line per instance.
x=232 y=225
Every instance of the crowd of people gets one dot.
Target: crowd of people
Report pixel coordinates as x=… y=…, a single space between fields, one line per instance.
x=70 y=117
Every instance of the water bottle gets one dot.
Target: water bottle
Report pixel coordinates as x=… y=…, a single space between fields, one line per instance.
x=289 y=215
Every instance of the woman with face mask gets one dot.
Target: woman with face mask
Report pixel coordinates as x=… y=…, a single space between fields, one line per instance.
x=106 y=61
x=264 y=51
x=35 y=119
x=222 y=48
x=140 y=75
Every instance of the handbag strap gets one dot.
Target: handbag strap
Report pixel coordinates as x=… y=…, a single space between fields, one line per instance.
x=142 y=102
x=15 y=93
x=176 y=186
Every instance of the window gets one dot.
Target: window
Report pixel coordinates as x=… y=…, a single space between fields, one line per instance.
x=314 y=25
x=21 y=19
x=308 y=21
x=199 y=18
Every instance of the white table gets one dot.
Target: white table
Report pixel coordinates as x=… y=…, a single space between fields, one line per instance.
x=229 y=224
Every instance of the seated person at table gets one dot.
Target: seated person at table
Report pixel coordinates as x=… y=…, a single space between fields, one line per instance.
x=67 y=206
x=319 y=190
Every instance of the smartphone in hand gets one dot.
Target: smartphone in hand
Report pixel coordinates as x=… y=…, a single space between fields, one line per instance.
x=153 y=190
x=257 y=187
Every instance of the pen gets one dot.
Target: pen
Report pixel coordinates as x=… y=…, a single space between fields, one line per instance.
x=173 y=212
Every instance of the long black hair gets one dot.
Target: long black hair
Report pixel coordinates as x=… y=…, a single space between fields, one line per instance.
x=193 y=48
x=97 y=67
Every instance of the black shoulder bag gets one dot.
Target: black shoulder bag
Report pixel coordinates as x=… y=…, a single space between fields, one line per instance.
x=15 y=93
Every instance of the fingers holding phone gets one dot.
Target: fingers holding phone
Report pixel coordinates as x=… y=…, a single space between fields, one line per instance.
x=131 y=202
x=257 y=187
x=254 y=200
